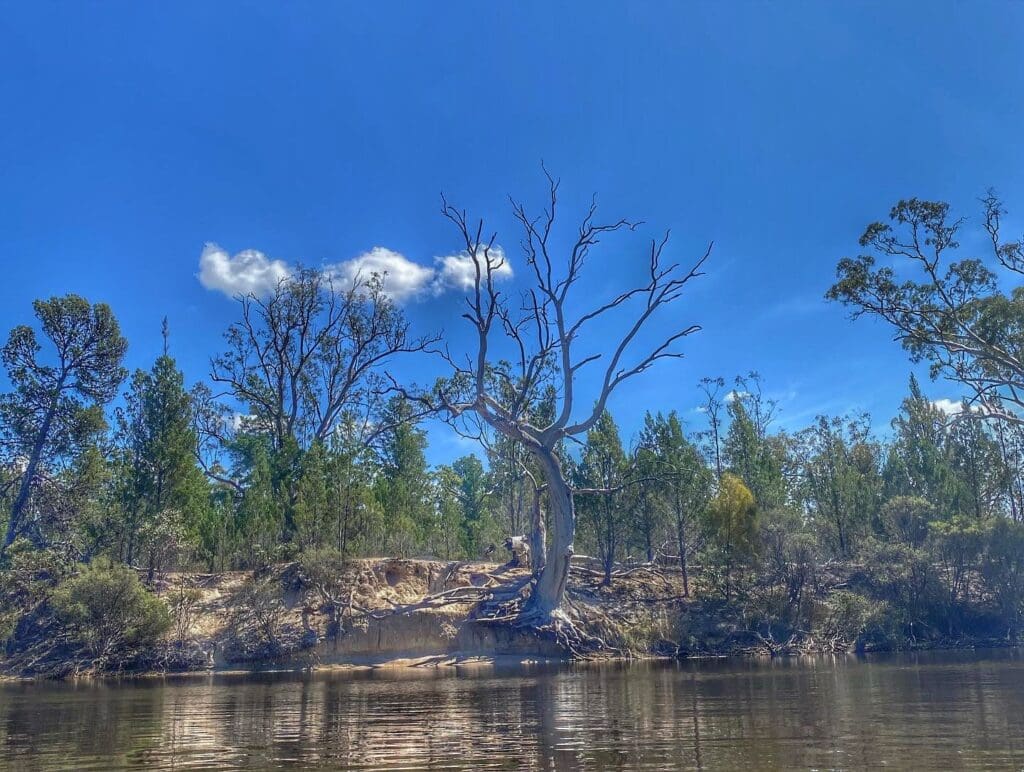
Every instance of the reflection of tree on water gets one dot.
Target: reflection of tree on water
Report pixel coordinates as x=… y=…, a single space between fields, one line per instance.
x=944 y=711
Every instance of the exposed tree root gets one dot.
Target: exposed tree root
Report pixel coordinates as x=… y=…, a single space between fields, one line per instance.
x=564 y=626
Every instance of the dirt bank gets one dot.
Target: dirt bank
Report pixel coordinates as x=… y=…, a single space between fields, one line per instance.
x=390 y=612
x=367 y=613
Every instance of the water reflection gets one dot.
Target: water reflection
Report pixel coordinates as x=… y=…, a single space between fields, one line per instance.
x=951 y=711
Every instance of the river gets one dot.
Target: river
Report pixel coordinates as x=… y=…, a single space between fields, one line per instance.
x=927 y=711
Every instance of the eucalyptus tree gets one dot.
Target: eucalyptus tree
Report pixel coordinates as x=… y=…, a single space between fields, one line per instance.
x=544 y=335
x=302 y=361
x=517 y=478
x=310 y=352
x=713 y=407
x=985 y=478
x=56 y=404
x=841 y=481
x=952 y=314
x=920 y=460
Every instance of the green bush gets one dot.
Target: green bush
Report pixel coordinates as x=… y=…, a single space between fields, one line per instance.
x=1002 y=569
x=108 y=610
x=324 y=573
x=27 y=578
x=258 y=611
x=845 y=615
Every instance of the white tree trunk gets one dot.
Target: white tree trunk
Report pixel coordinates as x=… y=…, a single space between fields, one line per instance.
x=547 y=595
x=538 y=535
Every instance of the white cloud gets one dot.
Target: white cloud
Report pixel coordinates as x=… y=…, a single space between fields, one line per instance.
x=459 y=272
x=248 y=271
x=949 y=406
x=403 y=279
x=251 y=271
x=734 y=395
x=241 y=421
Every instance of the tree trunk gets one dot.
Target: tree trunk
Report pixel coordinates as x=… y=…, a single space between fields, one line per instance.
x=25 y=489
x=538 y=535
x=550 y=588
x=681 y=536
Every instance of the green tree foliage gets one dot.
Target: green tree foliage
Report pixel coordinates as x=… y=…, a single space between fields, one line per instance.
x=841 y=479
x=649 y=515
x=28 y=576
x=979 y=466
x=258 y=521
x=600 y=479
x=905 y=519
x=465 y=524
x=952 y=313
x=732 y=519
x=312 y=511
x=449 y=508
x=956 y=464
x=754 y=456
x=309 y=354
x=919 y=461
x=473 y=494
x=162 y=493
x=507 y=459
x=107 y=609
x=957 y=544
x=403 y=485
x=1002 y=569
x=921 y=531
x=680 y=482
x=55 y=408
x=353 y=509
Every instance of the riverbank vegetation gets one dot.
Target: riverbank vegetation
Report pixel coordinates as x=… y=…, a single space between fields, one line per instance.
x=299 y=449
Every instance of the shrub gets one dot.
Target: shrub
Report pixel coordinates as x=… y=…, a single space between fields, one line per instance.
x=324 y=573
x=1002 y=570
x=845 y=616
x=259 y=608
x=184 y=609
x=27 y=578
x=108 y=610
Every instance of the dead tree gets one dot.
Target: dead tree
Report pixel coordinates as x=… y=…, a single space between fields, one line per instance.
x=539 y=341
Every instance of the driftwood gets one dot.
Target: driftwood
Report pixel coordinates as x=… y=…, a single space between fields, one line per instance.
x=648 y=567
x=451 y=597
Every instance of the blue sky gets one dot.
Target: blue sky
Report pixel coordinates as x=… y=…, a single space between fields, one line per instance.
x=135 y=133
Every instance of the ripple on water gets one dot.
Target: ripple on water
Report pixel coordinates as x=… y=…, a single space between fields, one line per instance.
x=938 y=711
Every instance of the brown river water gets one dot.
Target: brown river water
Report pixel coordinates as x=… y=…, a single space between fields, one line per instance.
x=942 y=711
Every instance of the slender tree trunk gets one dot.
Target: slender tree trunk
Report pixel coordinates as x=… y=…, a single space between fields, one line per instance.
x=538 y=535
x=681 y=536
x=25 y=489
x=550 y=588
x=649 y=542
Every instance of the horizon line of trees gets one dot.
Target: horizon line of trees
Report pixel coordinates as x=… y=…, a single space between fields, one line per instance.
x=329 y=453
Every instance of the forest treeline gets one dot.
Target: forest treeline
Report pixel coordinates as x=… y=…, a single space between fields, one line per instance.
x=298 y=444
